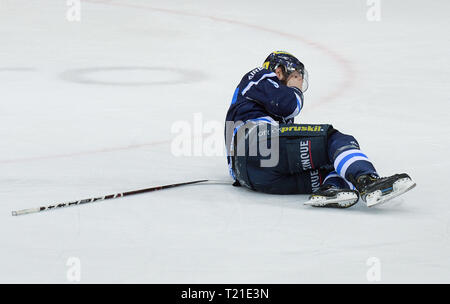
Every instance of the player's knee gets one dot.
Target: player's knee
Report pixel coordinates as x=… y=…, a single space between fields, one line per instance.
x=339 y=142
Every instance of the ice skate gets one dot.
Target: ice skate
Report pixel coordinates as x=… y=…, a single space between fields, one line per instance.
x=377 y=190
x=332 y=197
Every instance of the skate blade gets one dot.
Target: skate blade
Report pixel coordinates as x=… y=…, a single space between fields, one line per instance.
x=399 y=187
x=342 y=200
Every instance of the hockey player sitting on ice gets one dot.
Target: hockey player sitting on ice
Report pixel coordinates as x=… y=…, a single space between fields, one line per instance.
x=310 y=158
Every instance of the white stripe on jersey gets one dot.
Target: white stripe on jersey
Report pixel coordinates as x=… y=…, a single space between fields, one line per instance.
x=297 y=109
x=256 y=82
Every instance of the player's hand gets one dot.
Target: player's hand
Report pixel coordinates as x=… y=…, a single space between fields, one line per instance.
x=295 y=80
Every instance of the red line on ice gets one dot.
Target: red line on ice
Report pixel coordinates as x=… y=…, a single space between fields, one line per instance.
x=348 y=80
x=17 y=160
x=349 y=73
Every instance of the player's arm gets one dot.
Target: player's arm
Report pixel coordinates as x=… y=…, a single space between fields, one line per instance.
x=277 y=99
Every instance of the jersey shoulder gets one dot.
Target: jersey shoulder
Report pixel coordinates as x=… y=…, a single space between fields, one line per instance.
x=257 y=74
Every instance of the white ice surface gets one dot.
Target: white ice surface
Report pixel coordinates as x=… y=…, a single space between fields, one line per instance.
x=64 y=137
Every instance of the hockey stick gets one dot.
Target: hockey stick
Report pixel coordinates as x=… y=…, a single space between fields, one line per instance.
x=102 y=198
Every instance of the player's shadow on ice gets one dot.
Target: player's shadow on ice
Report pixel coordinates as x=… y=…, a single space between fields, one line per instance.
x=245 y=196
x=297 y=201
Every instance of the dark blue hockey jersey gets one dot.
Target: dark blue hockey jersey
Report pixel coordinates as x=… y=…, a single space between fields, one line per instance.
x=261 y=96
